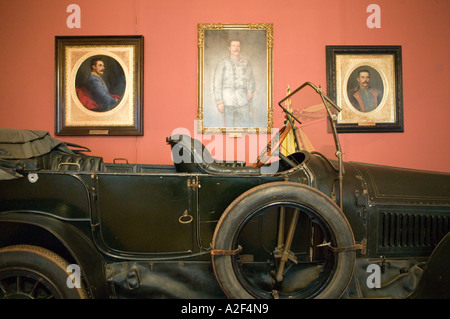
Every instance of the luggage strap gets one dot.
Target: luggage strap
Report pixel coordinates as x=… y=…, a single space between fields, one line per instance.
x=362 y=246
x=220 y=252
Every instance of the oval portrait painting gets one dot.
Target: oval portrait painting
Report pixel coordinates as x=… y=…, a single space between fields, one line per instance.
x=100 y=83
x=365 y=88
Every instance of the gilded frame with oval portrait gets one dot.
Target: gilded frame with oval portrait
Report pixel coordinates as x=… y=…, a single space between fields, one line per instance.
x=372 y=73
x=79 y=109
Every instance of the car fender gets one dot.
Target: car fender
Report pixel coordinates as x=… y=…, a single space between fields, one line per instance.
x=77 y=244
x=435 y=281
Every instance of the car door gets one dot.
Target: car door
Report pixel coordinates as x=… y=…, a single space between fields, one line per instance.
x=144 y=214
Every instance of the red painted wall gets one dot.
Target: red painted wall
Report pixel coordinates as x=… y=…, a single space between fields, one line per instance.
x=302 y=29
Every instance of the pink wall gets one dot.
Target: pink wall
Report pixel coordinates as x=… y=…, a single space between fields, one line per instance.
x=302 y=29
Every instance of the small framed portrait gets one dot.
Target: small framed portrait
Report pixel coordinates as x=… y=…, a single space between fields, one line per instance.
x=366 y=82
x=235 y=78
x=99 y=82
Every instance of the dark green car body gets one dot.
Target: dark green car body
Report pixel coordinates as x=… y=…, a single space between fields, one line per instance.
x=146 y=231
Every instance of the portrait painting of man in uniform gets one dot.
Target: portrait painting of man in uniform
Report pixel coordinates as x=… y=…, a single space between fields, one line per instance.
x=365 y=88
x=235 y=78
x=366 y=82
x=99 y=85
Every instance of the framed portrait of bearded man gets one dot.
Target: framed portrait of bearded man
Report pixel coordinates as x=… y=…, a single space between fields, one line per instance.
x=235 y=78
x=99 y=85
x=366 y=82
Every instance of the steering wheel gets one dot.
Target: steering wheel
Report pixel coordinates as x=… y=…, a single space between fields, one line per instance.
x=276 y=141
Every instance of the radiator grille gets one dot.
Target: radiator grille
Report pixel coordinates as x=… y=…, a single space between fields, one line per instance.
x=411 y=229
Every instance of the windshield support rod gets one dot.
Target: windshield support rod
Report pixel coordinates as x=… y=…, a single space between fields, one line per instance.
x=326 y=101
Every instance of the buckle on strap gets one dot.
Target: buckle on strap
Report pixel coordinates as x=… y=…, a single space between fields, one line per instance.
x=362 y=246
x=219 y=252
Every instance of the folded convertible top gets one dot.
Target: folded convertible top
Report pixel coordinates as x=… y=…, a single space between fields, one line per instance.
x=24 y=144
x=17 y=146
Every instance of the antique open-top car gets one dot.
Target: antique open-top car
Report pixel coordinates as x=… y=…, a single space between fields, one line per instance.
x=299 y=225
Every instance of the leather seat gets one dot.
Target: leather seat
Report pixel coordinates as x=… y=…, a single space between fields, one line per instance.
x=59 y=161
x=191 y=156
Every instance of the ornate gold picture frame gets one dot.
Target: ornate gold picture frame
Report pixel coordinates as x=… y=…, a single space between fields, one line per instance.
x=99 y=85
x=235 y=80
x=366 y=82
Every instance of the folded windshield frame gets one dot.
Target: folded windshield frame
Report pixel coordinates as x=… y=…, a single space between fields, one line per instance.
x=331 y=115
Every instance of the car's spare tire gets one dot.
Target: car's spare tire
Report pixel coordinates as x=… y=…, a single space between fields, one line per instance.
x=283 y=240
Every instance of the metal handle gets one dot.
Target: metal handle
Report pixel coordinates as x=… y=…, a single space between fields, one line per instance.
x=185 y=218
x=76 y=164
x=120 y=159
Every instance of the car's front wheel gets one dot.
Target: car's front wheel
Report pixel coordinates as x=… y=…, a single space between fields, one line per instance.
x=32 y=272
x=283 y=240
